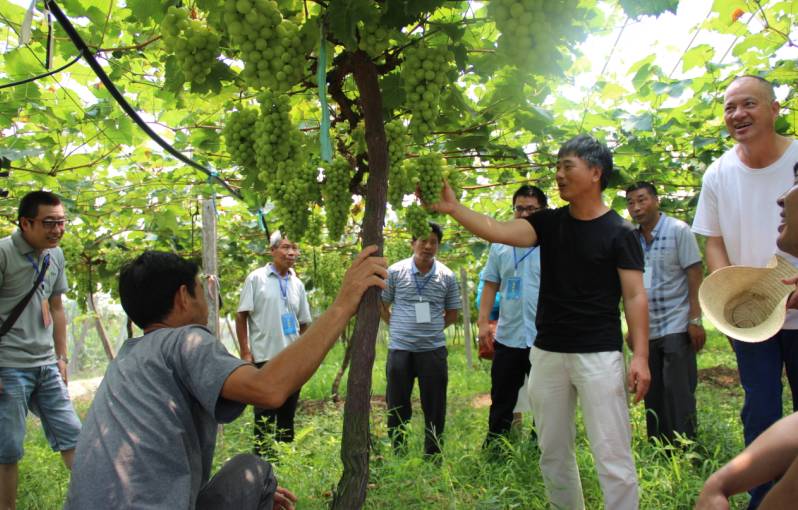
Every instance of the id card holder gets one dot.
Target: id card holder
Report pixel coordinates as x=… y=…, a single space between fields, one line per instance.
x=512 y=290
x=422 y=313
x=47 y=319
x=289 y=323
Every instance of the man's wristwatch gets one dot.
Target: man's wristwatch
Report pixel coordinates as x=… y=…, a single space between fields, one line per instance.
x=62 y=357
x=696 y=322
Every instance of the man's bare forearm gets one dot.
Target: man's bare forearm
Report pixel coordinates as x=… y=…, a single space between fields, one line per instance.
x=716 y=254
x=514 y=232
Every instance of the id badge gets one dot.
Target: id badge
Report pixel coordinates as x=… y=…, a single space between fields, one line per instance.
x=289 y=323
x=47 y=319
x=512 y=290
x=647 y=276
x=422 y=313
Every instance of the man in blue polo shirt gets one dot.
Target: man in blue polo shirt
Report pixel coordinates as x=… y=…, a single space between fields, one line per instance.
x=420 y=301
x=516 y=272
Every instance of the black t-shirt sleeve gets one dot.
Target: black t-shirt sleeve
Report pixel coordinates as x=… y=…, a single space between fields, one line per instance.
x=540 y=220
x=628 y=252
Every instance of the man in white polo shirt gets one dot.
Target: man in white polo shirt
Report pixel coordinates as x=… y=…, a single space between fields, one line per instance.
x=272 y=312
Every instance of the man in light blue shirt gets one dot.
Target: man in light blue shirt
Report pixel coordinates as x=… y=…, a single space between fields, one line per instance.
x=516 y=273
x=422 y=298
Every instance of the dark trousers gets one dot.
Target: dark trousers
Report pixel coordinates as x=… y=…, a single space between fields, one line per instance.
x=245 y=482
x=431 y=369
x=760 y=366
x=274 y=424
x=510 y=366
x=670 y=401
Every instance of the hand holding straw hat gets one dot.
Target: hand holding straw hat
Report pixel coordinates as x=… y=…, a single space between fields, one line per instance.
x=748 y=303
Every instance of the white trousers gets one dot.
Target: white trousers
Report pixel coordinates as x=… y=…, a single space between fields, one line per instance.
x=556 y=380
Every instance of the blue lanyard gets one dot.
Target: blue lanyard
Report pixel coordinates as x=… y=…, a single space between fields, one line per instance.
x=426 y=280
x=517 y=260
x=281 y=281
x=36 y=268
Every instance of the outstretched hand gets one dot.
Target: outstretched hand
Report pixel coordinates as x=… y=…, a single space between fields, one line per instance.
x=448 y=201
x=366 y=271
x=792 y=301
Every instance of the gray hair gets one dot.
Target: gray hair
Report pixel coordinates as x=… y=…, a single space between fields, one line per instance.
x=275 y=239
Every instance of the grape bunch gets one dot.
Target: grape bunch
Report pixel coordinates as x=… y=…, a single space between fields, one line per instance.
x=425 y=72
x=417 y=221
x=337 y=197
x=313 y=232
x=295 y=198
x=277 y=144
x=239 y=138
x=398 y=140
x=430 y=171
x=272 y=47
x=532 y=30
x=374 y=38
x=194 y=44
x=400 y=180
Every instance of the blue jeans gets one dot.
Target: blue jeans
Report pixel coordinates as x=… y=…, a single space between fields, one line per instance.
x=760 y=366
x=42 y=391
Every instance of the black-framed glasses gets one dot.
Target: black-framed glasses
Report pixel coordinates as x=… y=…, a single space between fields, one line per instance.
x=526 y=209
x=51 y=224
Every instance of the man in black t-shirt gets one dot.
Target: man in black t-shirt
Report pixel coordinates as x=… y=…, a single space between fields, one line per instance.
x=590 y=258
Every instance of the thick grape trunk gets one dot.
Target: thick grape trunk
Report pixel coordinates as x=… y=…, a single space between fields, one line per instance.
x=351 y=492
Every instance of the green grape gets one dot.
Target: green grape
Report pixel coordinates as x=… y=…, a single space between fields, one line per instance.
x=195 y=45
x=313 y=232
x=272 y=48
x=534 y=30
x=238 y=135
x=417 y=221
x=425 y=71
x=277 y=143
x=400 y=182
x=430 y=172
x=374 y=38
x=337 y=197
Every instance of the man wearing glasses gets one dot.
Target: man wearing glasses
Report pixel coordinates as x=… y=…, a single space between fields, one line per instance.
x=272 y=312
x=516 y=273
x=33 y=355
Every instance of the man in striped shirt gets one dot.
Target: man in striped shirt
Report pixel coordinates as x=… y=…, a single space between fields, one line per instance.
x=420 y=301
x=672 y=276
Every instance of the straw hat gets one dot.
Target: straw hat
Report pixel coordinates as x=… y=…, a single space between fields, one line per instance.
x=748 y=303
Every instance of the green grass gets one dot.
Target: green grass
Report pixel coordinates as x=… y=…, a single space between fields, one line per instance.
x=466 y=478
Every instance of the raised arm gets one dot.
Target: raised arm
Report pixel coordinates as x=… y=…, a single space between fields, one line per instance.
x=515 y=232
x=269 y=386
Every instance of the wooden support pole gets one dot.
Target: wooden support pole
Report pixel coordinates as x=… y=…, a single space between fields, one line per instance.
x=466 y=316
x=209 y=264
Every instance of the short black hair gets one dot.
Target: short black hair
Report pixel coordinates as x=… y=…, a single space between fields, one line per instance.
x=642 y=185
x=436 y=229
x=528 y=190
x=148 y=284
x=593 y=152
x=29 y=205
x=766 y=84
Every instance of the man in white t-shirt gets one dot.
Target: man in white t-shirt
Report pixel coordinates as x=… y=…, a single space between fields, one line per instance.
x=737 y=212
x=272 y=312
